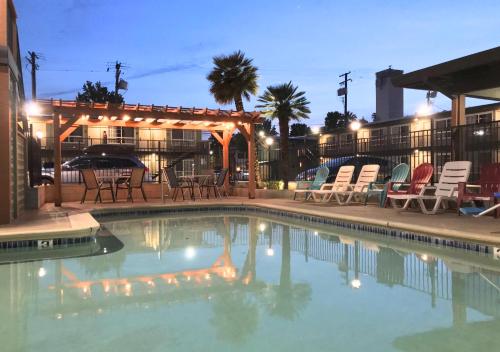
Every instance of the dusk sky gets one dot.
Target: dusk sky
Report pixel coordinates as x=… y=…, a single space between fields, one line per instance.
x=167 y=46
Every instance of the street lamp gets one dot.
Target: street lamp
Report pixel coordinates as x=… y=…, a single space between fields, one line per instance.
x=269 y=142
x=355 y=126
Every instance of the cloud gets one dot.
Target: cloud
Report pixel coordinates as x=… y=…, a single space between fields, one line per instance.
x=162 y=70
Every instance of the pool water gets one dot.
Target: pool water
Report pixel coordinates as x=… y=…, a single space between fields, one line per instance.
x=212 y=282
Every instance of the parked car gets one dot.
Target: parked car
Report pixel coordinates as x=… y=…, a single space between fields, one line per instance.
x=104 y=164
x=358 y=161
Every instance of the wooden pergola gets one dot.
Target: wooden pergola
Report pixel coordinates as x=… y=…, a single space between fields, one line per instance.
x=68 y=115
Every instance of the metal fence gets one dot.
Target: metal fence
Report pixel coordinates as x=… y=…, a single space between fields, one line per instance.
x=185 y=156
x=478 y=143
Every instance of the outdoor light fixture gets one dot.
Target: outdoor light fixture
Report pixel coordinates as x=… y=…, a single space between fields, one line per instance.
x=269 y=141
x=32 y=108
x=315 y=129
x=262 y=134
x=138 y=119
x=262 y=227
x=355 y=125
x=149 y=120
x=211 y=152
x=238 y=169
x=39 y=134
x=424 y=110
x=270 y=252
x=100 y=117
x=125 y=118
x=479 y=133
x=113 y=118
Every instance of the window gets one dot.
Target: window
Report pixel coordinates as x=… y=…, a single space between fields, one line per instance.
x=80 y=163
x=120 y=135
x=400 y=134
x=184 y=167
x=479 y=118
x=377 y=137
x=103 y=163
x=442 y=124
x=346 y=139
x=177 y=134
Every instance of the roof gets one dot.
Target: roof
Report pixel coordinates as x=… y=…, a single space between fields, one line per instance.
x=439 y=115
x=476 y=75
x=152 y=116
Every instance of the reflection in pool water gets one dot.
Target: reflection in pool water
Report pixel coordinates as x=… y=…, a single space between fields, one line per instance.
x=212 y=282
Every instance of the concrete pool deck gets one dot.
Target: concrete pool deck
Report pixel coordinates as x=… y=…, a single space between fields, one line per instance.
x=73 y=218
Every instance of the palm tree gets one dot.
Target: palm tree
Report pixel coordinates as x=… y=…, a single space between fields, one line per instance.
x=232 y=79
x=284 y=103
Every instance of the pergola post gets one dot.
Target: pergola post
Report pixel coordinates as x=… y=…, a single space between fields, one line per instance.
x=226 y=140
x=251 y=161
x=458 y=110
x=57 y=160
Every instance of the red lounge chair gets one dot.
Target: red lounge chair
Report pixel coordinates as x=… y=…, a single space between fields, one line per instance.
x=421 y=177
x=484 y=190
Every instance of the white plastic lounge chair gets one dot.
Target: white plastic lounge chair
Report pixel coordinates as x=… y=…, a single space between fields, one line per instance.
x=367 y=175
x=341 y=183
x=445 y=190
x=305 y=187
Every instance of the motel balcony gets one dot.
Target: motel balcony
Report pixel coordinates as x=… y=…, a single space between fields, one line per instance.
x=77 y=144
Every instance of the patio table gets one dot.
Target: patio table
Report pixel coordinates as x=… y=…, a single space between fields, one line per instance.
x=192 y=180
x=111 y=179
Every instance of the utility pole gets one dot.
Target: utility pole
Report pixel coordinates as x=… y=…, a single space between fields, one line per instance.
x=31 y=58
x=343 y=90
x=118 y=72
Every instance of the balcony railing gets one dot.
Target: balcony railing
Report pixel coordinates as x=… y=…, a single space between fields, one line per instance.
x=77 y=143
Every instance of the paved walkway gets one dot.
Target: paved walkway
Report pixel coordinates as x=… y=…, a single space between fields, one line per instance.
x=74 y=217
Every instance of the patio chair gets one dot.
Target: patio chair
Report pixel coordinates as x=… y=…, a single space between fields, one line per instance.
x=495 y=207
x=445 y=190
x=422 y=175
x=367 y=175
x=341 y=183
x=305 y=187
x=399 y=175
x=135 y=181
x=91 y=183
x=217 y=186
x=484 y=190
x=175 y=185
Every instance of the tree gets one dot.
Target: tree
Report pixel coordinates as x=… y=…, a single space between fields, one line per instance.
x=285 y=103
x=97 y=93
x=299 y=129
x=334 y=120
x=233 y=78
x=268 y=128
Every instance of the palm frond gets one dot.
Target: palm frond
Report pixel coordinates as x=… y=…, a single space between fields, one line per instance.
x=232 y=77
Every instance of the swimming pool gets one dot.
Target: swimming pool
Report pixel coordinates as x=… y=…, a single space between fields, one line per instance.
x=214 y=281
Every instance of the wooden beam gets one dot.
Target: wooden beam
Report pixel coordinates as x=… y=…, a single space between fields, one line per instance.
x=226 y=140
x=218 y=137
x=68 y=127
x=57 y=161
x=458 y=110
x=244 y=132
x=251 y=161
x=180 y=115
